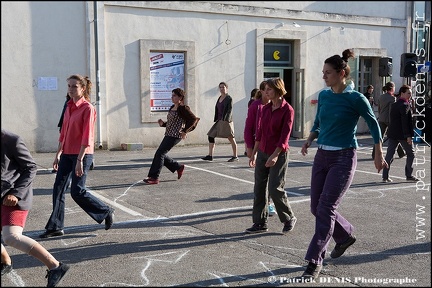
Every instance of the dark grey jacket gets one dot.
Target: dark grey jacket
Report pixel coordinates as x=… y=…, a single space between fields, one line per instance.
x=401 y=123
x=384 y=103
x=227 y=111
x=18 y=169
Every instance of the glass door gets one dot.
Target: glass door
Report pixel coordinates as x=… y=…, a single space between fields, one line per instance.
x=273 y=73
x=298 y=103
x=293 y=79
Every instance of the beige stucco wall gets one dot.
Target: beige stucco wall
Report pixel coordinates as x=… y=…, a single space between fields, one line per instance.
x=56 y=39
x=39 y=39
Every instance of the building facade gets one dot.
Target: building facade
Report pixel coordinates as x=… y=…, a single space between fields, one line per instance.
x=136 y=52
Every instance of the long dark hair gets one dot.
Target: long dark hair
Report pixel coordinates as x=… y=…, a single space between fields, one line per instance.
x=179 y=92
x=388 y=86
x=341 y=63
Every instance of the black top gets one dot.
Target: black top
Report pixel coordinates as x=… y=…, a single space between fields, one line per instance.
x=60 y=123
x=401 y=124
x=18 y=169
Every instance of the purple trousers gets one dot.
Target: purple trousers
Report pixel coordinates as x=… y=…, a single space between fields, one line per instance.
x=332 y=174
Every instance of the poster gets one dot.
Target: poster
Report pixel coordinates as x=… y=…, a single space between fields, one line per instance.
x=166 y=74
x=47 y=83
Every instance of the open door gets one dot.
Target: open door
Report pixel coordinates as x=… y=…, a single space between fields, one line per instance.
x=298 y=102
x=294 y=84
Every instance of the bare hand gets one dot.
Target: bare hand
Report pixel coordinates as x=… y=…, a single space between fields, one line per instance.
x=252 y=161
x=271 y=161
x=55 y=164
x=409 y=141
x=79 y=169
x=380 y=163
x=10 y=200
x=305 y=147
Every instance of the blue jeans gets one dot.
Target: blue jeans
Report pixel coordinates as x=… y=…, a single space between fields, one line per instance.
x=161 y=158
x=332 y=174
x=95 y=208
x=409 y=150
x=275 y=177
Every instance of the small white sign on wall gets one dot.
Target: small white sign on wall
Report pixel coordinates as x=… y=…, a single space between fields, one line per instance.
x=47 y=83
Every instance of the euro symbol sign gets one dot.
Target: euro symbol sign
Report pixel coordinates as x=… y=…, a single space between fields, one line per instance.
x=276 y=55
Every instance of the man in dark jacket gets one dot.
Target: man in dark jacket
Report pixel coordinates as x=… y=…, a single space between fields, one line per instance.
x=384 y=103
x=401 y=131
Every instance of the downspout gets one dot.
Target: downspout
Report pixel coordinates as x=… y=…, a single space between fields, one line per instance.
x=98 y=104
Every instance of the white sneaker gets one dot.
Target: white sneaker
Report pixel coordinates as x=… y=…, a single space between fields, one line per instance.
x=271 y=210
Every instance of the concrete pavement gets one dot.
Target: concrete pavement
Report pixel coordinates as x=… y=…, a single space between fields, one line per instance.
x=190 y=232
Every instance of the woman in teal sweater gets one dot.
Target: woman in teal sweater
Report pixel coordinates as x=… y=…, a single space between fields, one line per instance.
x=339 y=109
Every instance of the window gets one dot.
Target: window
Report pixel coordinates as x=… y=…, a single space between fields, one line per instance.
x=278 y=53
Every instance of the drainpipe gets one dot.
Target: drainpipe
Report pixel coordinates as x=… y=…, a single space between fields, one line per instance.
x=98 y=104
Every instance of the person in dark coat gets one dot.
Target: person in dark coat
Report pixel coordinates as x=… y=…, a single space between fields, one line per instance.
x=384 y=103
x=18 y=170
x=401 y=131
x=60 y=123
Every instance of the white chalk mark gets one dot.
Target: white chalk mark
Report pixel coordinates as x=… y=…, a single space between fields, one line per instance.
x=168 y=257
x=72 y=242
x=220 y=279
x=120 y=284
x=176 y=234
x=221 y=275
x=143 y=272
x=222 y=175
x=125 y=192
x=266 y=268
x=367 y=194
x=116 y=205
x=15 y=278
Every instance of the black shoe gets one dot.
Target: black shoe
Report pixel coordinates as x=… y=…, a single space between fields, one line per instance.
x=109 y=220
x=232 y=159
x=208 y=157
x=56 y=275
x=289 y=225
x=312 y=272
x=257 y=228
x=51 y=233
x=339 y=249
x=387 y=180
x=412 y=178
x=5 y=269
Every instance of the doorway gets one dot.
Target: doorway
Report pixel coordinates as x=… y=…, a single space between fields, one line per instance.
x=293 y=79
